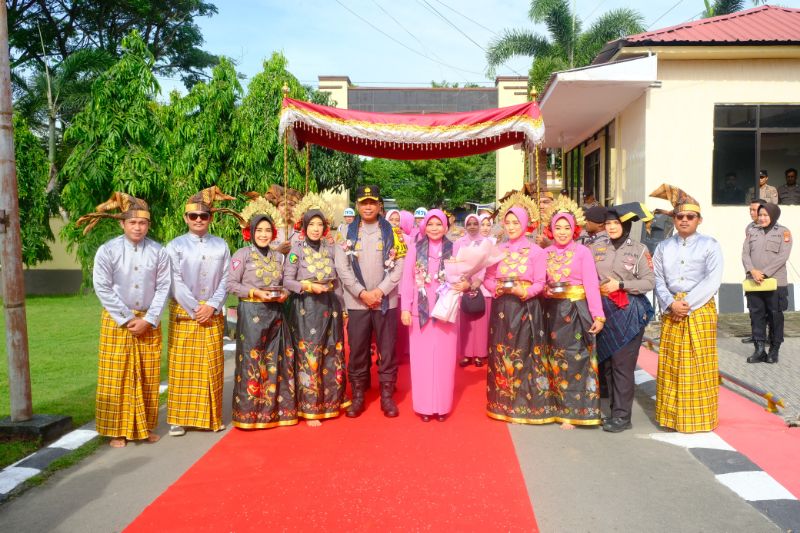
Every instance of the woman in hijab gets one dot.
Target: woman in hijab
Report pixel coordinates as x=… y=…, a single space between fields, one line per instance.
x=316 y=322
x=486 y=226
x=433 y=342
x=393 y=216
x=517 y=386
x=473 y=330
x=764 y=254
x=263 y=385
x=626 y=275
x=574 y=315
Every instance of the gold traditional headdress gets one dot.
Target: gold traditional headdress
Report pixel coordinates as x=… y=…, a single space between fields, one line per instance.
x=680 y=200
x=313 y=200
x=564 y=204
x=260 y=206
x=519 y=199
x=129 y=207
x=204 y=201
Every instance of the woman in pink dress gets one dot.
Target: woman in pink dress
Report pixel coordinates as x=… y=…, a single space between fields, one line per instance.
x=473 y=334
x=573 y=316
x=433 y=342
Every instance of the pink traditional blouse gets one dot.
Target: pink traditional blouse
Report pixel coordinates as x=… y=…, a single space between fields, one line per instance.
x=524 y=261
x=574 y=264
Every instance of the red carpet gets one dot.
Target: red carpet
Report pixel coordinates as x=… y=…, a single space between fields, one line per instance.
x=759 y=435
x=366 y=474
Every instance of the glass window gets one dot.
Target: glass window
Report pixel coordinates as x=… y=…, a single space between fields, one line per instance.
x=780 y=116
x=735 y=116
x=734 y=166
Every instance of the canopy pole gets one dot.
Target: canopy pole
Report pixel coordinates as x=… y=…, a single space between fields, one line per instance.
x=308 y=164
x=286 y=168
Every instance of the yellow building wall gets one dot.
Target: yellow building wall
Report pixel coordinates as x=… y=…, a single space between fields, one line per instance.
x=510 y=161
x=62 y=259
x=628 y=154
x=679 y=134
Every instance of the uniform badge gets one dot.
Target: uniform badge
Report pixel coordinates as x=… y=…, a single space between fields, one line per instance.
x=235 y=264
x=293 y=258
x=787 y=236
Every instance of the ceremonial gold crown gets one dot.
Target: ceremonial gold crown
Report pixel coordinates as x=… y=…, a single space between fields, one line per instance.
x=519 y=199
x=564 y=204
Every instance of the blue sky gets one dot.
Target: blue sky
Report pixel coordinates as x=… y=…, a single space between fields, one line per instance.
x=321 y=37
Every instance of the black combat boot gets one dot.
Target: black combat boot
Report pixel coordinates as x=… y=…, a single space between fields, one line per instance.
x=759 y=354
x=772 y=356
x=388 y=406
x=357 y=406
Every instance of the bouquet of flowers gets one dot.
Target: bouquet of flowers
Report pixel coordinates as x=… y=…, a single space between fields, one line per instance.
x=470 y=260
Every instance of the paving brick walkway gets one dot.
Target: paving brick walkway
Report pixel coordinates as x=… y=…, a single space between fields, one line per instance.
x=782 y=379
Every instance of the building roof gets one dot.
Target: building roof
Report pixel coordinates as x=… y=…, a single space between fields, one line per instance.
x=763 y=25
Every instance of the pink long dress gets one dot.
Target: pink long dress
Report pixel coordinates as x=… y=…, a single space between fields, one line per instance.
x=473 y=333
x=433 y=347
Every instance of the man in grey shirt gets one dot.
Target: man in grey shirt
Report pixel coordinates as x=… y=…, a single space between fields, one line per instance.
x=369 y=264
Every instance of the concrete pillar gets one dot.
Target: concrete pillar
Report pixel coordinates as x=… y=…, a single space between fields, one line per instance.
x=510 y=162
x=338 y=87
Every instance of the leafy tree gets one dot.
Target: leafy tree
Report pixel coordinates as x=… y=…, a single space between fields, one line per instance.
x=568 y=46
x=67 y=26
x=119 y=145
x=722 y=7
x=33 y=209
x=50 y=98
x=200 y=144
x=434 y=182
x=258 y=159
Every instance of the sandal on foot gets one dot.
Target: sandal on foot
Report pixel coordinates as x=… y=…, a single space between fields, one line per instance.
x=465 y=362
x=119 y=442
x=152 y=437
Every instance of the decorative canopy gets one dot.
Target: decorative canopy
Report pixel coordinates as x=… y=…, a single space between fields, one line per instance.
x=411 y=136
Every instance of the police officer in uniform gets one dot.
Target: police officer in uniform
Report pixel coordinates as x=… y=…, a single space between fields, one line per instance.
x=595 y=228
x=626 y=276
x=765 y=252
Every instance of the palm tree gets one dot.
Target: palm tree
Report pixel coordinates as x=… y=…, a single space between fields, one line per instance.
x=722 y=7
x=726 y=7
x=568 y=46
x=48 y=98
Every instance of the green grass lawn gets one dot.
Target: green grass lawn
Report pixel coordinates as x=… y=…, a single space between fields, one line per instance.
x=62 y=337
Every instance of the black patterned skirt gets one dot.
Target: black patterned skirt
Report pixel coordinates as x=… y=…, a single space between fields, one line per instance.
x=571 y=361
x=263 y=386
x=517 y=386
x=317 y=328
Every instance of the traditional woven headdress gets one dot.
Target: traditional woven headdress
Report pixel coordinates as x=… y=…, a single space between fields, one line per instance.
x=276 y=194
x=204 y=201
x=313 y=200
x=129 y=207
x=564 y=204
x=519 y=199
x=679 y=199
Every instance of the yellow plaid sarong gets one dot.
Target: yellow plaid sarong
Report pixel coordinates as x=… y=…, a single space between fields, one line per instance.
x=687 y=384
x=196 y=370
x=128 y=372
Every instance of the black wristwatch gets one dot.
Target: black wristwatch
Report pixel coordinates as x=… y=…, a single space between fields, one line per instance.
x=621 y=284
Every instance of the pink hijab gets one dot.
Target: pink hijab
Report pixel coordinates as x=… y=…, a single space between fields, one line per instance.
x=569 y=218
x=406 y=222
x=438 y=213
x=522 y=216
x=478 y=235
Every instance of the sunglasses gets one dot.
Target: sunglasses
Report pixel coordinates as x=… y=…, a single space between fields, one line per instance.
x=201 y=216
x=687 y=216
